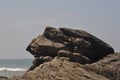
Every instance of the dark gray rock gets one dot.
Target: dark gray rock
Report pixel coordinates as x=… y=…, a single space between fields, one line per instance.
x=3 y=78
x=89 y=45
x=55 y=35
x=37 y=61
x=75 y=41
x=75 y=57
x=42 y=46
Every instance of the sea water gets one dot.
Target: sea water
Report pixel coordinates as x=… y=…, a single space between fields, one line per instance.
x=14 y=67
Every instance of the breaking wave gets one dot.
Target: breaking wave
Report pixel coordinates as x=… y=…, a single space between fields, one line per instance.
x=12 y=69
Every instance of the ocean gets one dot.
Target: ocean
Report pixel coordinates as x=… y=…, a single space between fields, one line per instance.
x=14 y=67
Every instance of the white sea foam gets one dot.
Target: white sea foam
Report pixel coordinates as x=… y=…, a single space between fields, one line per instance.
x=12 y=69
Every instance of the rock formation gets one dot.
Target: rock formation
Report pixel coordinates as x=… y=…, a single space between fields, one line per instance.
x=75 y=41
x=68 y=54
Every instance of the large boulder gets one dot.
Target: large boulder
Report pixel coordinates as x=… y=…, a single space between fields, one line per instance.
x=77 y=41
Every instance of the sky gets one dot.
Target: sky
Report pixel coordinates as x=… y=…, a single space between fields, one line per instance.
x=23 y=20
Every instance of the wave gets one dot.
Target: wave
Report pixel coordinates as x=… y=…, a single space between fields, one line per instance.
x=12 y=69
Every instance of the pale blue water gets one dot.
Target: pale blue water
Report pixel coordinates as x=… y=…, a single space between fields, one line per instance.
x=14 y=67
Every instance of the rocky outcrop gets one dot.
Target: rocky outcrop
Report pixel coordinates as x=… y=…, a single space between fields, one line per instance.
x=76 y=41
x=68 y=54
x=62 y=69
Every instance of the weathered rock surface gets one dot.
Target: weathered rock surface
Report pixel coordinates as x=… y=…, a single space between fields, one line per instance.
x=75 y=57
x=108 y=67
x=62 y=69
x=76 y=41
x=67 y=54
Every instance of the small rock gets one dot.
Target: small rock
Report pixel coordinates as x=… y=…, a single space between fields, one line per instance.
x=3 y=78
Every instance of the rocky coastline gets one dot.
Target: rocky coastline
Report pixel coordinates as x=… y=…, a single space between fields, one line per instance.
x=69 y=54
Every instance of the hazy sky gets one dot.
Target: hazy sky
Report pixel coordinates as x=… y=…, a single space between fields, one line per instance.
x=23 y=20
